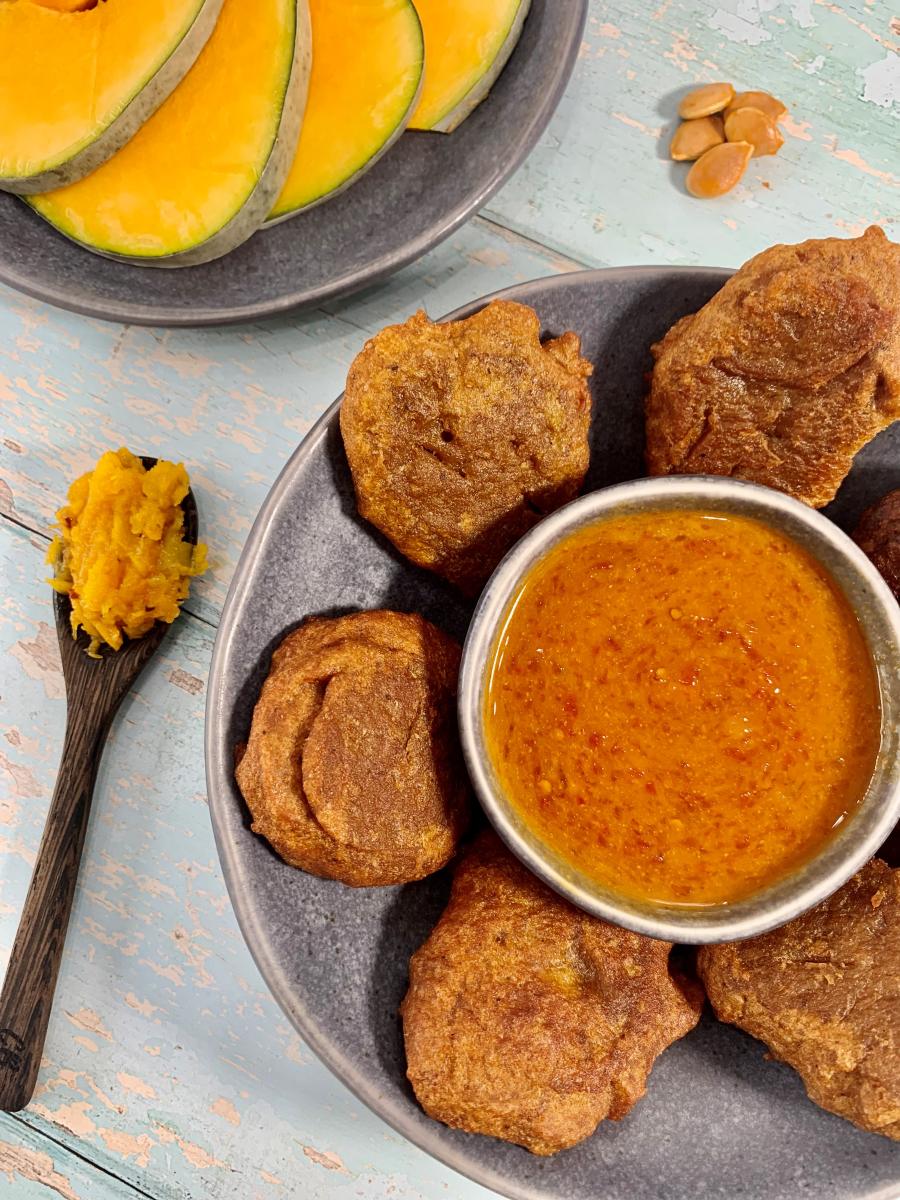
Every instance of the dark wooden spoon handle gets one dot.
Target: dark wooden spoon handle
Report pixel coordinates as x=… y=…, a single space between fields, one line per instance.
x=27 y=994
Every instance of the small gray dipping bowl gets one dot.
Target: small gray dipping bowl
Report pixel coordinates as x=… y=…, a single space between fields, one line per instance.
x=855 y=842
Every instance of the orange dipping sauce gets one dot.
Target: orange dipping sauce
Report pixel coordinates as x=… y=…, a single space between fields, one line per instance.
x=682 y=705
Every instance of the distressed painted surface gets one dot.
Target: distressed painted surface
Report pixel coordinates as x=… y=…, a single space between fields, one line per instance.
x=167 y=1063
x=601 y=189
x=34 y=1168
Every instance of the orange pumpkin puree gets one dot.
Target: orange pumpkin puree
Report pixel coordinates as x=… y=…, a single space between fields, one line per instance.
x=682 y=705
x=120 y=556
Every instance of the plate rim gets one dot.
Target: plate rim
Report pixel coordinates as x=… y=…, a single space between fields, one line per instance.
x=344 y=1070
x=135 y=313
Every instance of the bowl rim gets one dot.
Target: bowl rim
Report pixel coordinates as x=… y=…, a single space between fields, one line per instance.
x=879 y=617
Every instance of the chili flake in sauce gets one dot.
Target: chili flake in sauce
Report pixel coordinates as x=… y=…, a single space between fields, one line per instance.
x=682 y=705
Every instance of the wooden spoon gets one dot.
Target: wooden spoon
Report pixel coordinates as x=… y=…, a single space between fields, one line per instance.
x=94 y=689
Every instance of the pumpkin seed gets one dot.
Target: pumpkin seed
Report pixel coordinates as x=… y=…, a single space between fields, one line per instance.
x=693 y=138
x=754 y=126
x=718 y=170
x=773 y=108
x=706 y=100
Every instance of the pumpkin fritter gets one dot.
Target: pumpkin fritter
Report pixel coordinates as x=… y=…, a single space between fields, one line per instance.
x=878 y=535
x=823 y=993
x=352 y=770
x=787 y=372
x=529 y=1020
x=461 y=436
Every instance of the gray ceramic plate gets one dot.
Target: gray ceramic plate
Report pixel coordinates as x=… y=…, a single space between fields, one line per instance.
x=426 y=186
x=718 y=1120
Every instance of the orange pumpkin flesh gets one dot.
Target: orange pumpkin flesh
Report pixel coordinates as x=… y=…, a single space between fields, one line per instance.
x=195 y=165
x=49 y=52
x=466 y=44
x=367 y=65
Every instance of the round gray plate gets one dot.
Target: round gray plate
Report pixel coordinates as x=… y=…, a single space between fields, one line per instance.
x=426 y=186
x=718 y=1120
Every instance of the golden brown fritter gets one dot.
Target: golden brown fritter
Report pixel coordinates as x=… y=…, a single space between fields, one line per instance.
x=823 y=993
x=787 y=372
x=461 y=436
x=878 y=535
x=529 y=1020
x=352 y=770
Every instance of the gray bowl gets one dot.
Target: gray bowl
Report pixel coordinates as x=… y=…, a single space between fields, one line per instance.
x=879 y=617
x=719 y=1121
x=423 y=189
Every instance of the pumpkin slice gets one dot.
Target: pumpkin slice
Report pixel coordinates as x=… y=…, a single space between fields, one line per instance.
x=75 y=86
x=467 y=44
x=201 y=176
x=368 y=57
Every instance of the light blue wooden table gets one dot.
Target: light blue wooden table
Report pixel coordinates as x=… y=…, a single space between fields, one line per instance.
x=169 y=1070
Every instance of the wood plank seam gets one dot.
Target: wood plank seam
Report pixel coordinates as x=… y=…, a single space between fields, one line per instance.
x=509 y=232
x=131 y=1188
x=47 y=537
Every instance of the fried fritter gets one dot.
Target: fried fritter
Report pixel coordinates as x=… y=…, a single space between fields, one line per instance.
x=787 y=372
x=352 y=770
x=823 y=993
x=878 y=535
x=461 y=436
x=529 y=1020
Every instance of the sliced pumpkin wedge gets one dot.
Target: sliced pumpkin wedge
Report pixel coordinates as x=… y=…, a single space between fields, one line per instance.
x=76 y=85
x=202 y=174
x=467 y=45
x=368 y=57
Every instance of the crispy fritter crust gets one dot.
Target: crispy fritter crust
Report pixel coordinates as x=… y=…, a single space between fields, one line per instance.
x=878 y=535
x=787 y=372
x=528 y=1020
x=823 y=993
x=352 y=770
x=461 y=436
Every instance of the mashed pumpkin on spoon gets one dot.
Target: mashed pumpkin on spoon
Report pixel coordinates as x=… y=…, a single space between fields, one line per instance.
x=120 y=555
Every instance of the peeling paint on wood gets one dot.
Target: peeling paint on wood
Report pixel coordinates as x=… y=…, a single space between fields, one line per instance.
x=32 y=1168
x=600 y=187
